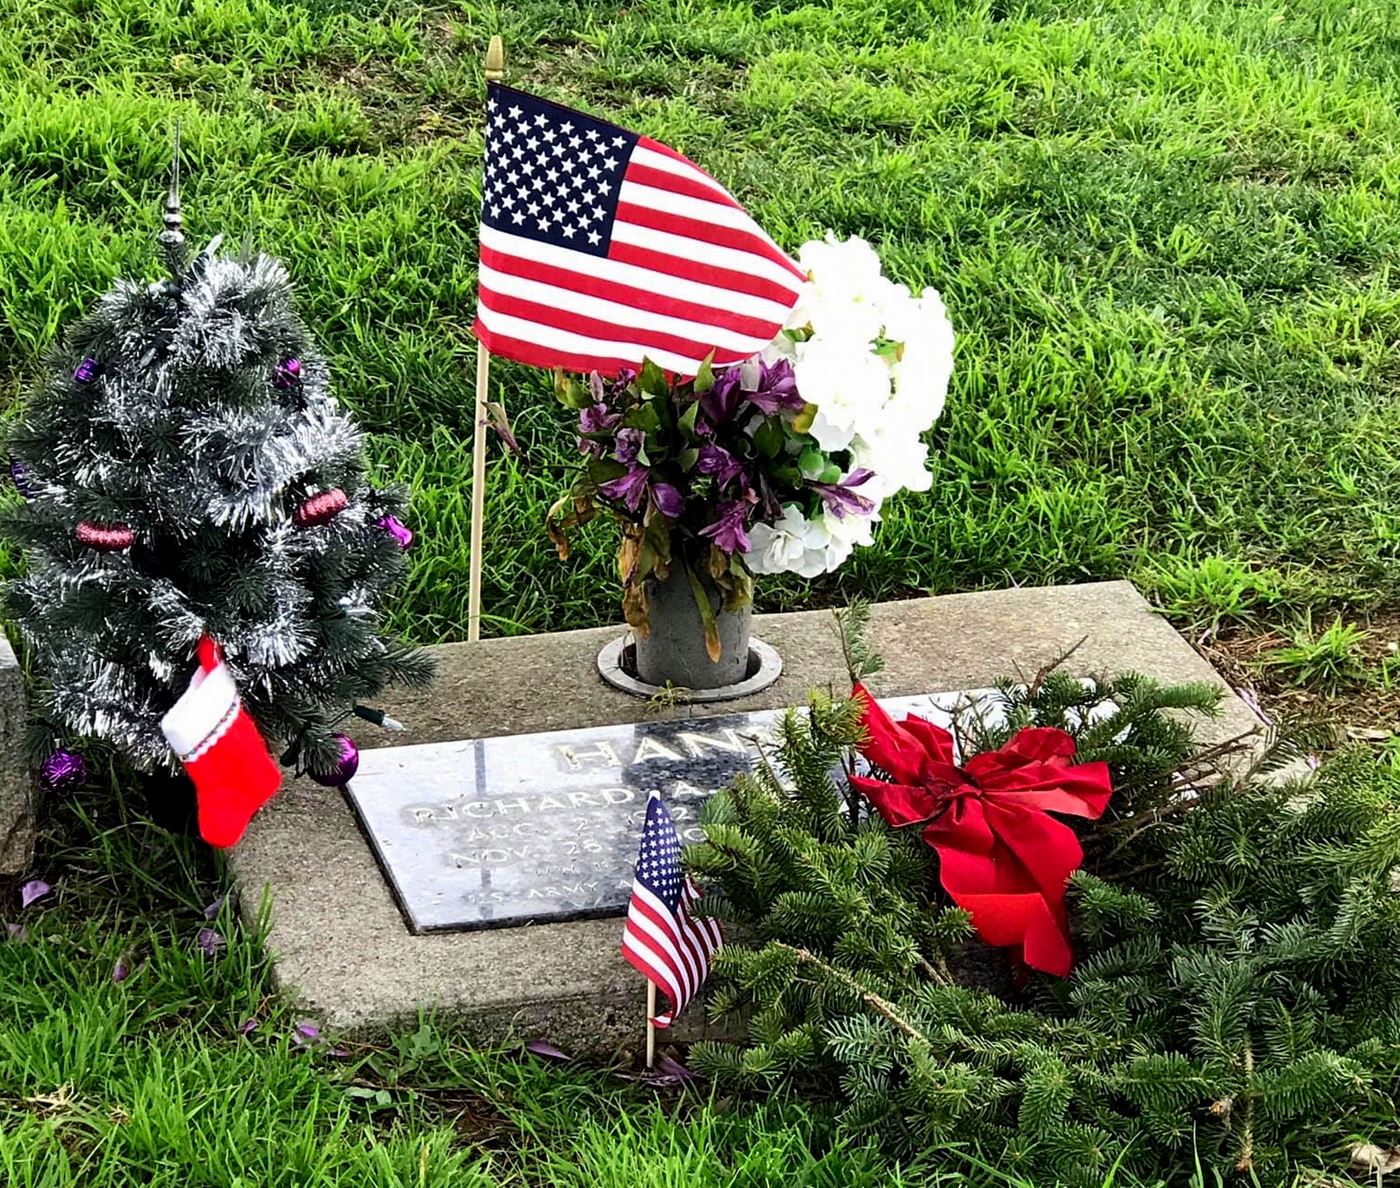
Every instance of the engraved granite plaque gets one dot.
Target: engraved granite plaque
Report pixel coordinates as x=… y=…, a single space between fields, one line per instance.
x=544 y=827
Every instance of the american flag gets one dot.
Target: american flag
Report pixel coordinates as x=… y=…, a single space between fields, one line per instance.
x=665 y=943
x=600 y=248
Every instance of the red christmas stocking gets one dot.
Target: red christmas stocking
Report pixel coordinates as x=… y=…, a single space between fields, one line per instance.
x=222 y=750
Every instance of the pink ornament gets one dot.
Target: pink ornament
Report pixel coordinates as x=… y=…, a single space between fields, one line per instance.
x=397 y=529
x=104 y=538
x=345 y=770
x=320 y=509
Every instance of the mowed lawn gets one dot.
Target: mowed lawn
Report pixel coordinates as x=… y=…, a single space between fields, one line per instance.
x=1165 y=231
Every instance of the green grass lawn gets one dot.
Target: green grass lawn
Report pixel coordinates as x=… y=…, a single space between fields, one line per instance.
x=1165 y=231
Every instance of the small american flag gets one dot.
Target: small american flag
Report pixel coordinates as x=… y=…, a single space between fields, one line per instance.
x=665 y=943
x=600 y=248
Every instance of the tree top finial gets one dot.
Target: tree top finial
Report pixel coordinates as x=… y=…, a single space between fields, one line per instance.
x=172 y=238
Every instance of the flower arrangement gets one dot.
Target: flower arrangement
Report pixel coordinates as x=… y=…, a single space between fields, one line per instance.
x=778 y=464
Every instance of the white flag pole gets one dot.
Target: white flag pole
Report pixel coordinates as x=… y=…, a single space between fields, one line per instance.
x=651 y=1027
x=495 y=72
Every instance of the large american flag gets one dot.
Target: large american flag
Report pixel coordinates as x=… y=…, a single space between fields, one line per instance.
x=600 y=248
x=665 y=943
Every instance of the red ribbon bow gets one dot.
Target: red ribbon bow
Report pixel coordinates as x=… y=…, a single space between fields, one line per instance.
x=1001 y=856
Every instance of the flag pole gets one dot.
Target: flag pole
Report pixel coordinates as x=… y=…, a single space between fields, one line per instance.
x=495 y=72
x=651 y=1027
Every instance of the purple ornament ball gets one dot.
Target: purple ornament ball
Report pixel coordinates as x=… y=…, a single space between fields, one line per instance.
x=347 y=767
x=63 y=771
x=397 y=529
x=288 y=373
x=19 y=475
x=87 y=370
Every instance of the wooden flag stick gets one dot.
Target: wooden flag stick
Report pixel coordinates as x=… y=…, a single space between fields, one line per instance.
x=651 y=1027
x=495 y=72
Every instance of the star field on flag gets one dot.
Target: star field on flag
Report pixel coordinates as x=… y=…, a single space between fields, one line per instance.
x=601 y=248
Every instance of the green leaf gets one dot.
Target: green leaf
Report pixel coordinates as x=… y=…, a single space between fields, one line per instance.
x=802 y=423
x=687 y=459
x=645 y=417
x=569 y=392
x=707 y=615
x=652 y=380
x=768 y=440
x=705 y=377
x=687 y=420
x=812 y=462
x=604 y=470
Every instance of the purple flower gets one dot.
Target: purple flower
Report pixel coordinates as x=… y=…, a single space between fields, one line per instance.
x=211 y=911
x=33 y=891
x=722 y=401
x=718 y=461
x=841 y=499
x=597 y=418
x=629 y=445
x=632 y=489
x=629 y=489
x=120 y=971
x=248 y=1026
x=670 y=501
x=210 y=942
x=777 y=388
x=307 y=1032
x=728 y=530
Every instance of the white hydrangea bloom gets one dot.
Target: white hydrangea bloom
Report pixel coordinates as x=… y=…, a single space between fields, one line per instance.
x=793 y=544
x=875 y=361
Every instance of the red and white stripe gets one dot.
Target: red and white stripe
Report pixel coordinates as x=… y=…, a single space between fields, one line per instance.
x=671 y=950
x=688 y=274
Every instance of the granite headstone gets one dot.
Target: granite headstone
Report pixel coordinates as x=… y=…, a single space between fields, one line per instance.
x=544 y=827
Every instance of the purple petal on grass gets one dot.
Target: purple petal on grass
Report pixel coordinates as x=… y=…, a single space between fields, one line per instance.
x=17 y=932
x=338 y=1052
x=307 y=1033
x=210 y=942
x=211 y=912
x=545 y=1050
x=33 y=891
x=670 y=501
x=120 y=971
x=668 y=1067
x=247 y=1027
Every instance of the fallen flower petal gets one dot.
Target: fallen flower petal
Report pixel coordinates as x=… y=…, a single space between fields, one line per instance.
x=33 y=891
x=120 y=971
x=212 y=911
x=545 y=1049
x=211 y=942
x=248 y=1026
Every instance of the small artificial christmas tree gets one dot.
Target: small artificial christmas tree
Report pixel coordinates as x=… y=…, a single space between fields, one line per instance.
x=188 y=476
